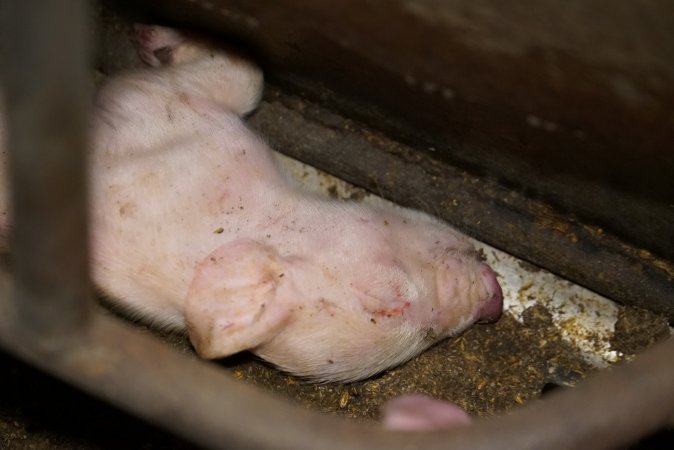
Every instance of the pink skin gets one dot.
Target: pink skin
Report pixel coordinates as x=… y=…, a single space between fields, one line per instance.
x=418 y=412
x=491 y=310
x=194 y=227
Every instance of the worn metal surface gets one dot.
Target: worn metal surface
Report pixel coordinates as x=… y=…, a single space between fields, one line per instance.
x=47 y=95
x=565 y=119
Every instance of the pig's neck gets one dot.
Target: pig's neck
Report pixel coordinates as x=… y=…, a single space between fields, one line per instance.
x=312 y=227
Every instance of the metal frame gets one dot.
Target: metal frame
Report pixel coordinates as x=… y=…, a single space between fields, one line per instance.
x=48 y=317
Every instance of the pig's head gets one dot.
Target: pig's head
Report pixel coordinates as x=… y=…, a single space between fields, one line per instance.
x=381 y=290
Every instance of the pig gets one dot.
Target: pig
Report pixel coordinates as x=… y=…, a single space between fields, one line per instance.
x=194 y=227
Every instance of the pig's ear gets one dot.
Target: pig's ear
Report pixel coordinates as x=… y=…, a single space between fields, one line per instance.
x=233 y=302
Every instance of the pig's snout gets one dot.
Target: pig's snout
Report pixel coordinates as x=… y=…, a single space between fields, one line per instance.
x=491 y=310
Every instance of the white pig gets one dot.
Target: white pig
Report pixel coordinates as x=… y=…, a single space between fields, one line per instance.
x=194 y=227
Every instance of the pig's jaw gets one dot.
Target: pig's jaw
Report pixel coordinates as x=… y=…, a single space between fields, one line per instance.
x=347 y=348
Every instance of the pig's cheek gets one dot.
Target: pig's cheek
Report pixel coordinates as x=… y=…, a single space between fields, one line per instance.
x=234 y=302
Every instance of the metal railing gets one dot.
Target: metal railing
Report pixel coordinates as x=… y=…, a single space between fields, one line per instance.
x=48 y=317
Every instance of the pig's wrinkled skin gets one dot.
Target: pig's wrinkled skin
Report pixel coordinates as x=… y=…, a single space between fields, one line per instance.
x=193 y=226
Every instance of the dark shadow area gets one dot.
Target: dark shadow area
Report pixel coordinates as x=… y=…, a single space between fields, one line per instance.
x=40 y=412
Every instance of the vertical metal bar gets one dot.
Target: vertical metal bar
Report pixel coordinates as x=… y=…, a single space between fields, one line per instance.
x=47 y=95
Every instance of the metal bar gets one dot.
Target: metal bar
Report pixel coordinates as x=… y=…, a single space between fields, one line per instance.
x=200 y=402
x=47 y=94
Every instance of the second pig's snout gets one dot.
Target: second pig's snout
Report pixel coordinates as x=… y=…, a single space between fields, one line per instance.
x=493 y=307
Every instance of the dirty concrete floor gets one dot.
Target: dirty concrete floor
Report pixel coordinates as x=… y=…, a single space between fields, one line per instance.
x=488 y=370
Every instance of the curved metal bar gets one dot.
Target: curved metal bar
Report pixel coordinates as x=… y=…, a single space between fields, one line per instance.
x=47 y=321
x=198 y=401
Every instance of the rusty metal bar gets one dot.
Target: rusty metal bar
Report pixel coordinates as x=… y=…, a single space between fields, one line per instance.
x=47 y=94
x=46 y=87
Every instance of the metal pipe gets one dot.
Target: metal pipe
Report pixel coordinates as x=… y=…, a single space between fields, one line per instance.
x=47 y=95
x=199 y=402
